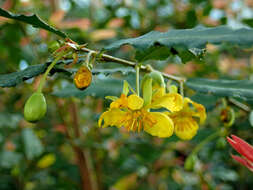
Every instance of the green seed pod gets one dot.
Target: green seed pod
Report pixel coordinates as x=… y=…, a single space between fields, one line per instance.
x=35 y=107
x=158 y=79
x=190 y=162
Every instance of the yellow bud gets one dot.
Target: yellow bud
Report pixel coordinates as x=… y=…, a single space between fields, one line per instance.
x=83 y=78
x=46 y=161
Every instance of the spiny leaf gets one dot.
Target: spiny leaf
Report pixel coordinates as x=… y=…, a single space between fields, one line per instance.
x=191 y=41
x=15 y=78
x=242 y=89
x=33 y=20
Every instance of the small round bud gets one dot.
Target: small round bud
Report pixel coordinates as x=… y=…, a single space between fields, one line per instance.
x=83 y=77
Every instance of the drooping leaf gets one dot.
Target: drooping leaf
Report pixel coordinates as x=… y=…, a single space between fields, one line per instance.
x=242 y=89
x=32 y=144
x=15 y=78
x=33 y=19
x=190 y=41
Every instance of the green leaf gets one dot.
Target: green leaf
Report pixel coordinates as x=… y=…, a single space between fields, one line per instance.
x=12 y=79
x=15 y=78
x=9 y=120
x=248 y=21
x=32 y=144
x=8 y=159
x=224 y=174
x=190 y=41
x=34 y=20
x=242 y=89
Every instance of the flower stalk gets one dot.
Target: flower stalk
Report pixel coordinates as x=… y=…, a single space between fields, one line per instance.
x=43 y=80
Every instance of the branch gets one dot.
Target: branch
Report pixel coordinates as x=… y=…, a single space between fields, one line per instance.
x=106 y=57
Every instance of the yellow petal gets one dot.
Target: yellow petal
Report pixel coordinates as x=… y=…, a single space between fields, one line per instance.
x=158 y=92
x=120 y=102
x=185 y=127
x=162 y=128
x=200 y=110
x=170 y=101
x=113 y=117
x=135 y=102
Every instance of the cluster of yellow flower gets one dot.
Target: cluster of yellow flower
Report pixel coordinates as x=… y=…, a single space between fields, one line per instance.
x=137 y=113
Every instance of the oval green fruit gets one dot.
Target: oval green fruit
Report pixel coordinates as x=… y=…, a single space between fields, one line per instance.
x=35 y=107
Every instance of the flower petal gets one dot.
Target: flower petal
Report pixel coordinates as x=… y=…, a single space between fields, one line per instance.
x=162 y=128
x=135 y=102
x=243 y=162
x=113 y=117
x=245 y=149
x=200 y=110
x=185 y=127
x=120 y=102
x=170 y=101
x=158 y=92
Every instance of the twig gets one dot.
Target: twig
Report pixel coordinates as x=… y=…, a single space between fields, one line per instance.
x=106 y=57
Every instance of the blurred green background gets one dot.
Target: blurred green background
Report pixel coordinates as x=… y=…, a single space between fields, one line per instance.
x=46 y=155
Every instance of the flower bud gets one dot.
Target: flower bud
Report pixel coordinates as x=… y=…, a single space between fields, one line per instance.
x=190 y=162
x=146 y=86
x=83 y=77
x=35 y=107
x=157 y=78
x=227 y=116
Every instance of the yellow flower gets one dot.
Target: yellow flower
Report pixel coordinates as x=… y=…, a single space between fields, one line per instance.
x=130 y=112
x=170 y=101
x=184 y=120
